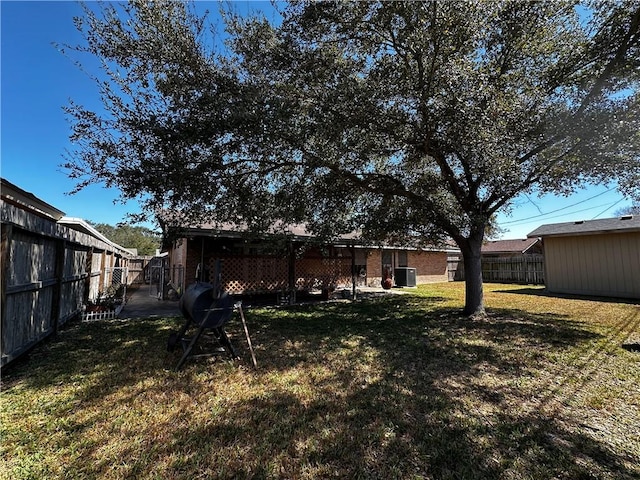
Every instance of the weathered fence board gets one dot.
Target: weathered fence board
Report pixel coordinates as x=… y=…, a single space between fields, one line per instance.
x=455 y=269
x=27 y=317
x=72 y=280
x=94 y=268
x=139 y=270
x=528 y=269
x=525 y=269
x=47 y=270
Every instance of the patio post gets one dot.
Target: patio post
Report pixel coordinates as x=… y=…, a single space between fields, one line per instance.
x=292 y=272
x=353 y=271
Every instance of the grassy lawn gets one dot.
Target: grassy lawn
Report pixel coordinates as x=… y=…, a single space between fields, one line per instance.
x=394 y=387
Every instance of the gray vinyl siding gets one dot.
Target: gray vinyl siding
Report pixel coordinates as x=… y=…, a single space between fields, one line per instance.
x=602 y=265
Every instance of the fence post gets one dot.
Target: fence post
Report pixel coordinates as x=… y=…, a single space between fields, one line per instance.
x=5 y=259
x=61 y=247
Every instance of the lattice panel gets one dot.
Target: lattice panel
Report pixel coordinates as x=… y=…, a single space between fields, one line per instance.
x=270 y=274
x=318 y=273
x=253 y=274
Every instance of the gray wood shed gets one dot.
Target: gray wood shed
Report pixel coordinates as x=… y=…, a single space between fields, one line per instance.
x=593 y=257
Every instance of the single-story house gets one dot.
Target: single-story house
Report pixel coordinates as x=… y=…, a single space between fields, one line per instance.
x=512 y=248
x=513 y=261
x=296 y=261
x=593 y=257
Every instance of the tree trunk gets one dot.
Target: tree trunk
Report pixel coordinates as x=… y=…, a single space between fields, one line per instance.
x=472 y=258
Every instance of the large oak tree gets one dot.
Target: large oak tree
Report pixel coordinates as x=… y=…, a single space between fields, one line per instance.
x=413 y=120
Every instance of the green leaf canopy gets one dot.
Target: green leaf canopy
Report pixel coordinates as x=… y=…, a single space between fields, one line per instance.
x=415 y=120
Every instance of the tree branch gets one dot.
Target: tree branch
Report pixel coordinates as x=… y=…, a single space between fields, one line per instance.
x=629 y=40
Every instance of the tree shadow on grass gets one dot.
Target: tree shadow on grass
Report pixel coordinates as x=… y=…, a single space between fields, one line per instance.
x=414 y=414
x=543 y=292
x=397 y=387
x=434 y=368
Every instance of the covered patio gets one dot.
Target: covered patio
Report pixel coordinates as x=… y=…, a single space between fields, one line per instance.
x=294 y=265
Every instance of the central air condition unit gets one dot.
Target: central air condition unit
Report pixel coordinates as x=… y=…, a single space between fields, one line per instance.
x=405 y=276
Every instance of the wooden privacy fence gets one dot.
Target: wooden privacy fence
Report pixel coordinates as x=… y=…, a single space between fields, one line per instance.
x=139 y=269
x=48 y=271
x=44 y=284
x=525 y=269
x=455 y=269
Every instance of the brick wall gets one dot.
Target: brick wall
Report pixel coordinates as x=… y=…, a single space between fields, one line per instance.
x=430 y=266
x=374 y=268
x=191 y=259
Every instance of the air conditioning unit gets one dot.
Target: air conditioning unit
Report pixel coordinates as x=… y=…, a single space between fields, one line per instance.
x=405 y=276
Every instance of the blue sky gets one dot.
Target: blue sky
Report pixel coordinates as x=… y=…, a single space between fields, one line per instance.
x=37 y=81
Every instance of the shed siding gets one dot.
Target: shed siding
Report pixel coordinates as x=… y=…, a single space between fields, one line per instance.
x=602 y=265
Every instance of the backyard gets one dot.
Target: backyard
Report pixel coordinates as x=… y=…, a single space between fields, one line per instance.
x=399 y=386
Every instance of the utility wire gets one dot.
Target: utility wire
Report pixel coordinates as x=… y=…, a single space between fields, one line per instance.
x=557 y=216
x=608 y=208
x=560 y=209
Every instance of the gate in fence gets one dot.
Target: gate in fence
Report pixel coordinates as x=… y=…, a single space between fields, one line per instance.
x=166 y=283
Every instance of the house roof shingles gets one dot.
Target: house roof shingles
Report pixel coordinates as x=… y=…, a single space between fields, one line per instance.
x=299 y=232
x=628 y=223
x=520 y=245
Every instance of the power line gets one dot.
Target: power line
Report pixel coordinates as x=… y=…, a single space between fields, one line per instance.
x=563 y=208
x=557 y=216
x=608 y=208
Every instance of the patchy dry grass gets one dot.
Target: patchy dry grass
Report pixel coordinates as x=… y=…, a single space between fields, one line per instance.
x=396 y=387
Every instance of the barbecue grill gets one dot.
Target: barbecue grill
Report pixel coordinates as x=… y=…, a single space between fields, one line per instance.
x=206 y=309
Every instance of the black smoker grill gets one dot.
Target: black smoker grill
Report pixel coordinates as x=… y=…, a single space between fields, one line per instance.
x=205 y=309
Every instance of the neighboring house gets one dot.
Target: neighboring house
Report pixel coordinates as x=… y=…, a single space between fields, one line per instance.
x=512 y=248
x=49 y=268
x=593 y=257
x=295 y=261
x=513 y=261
